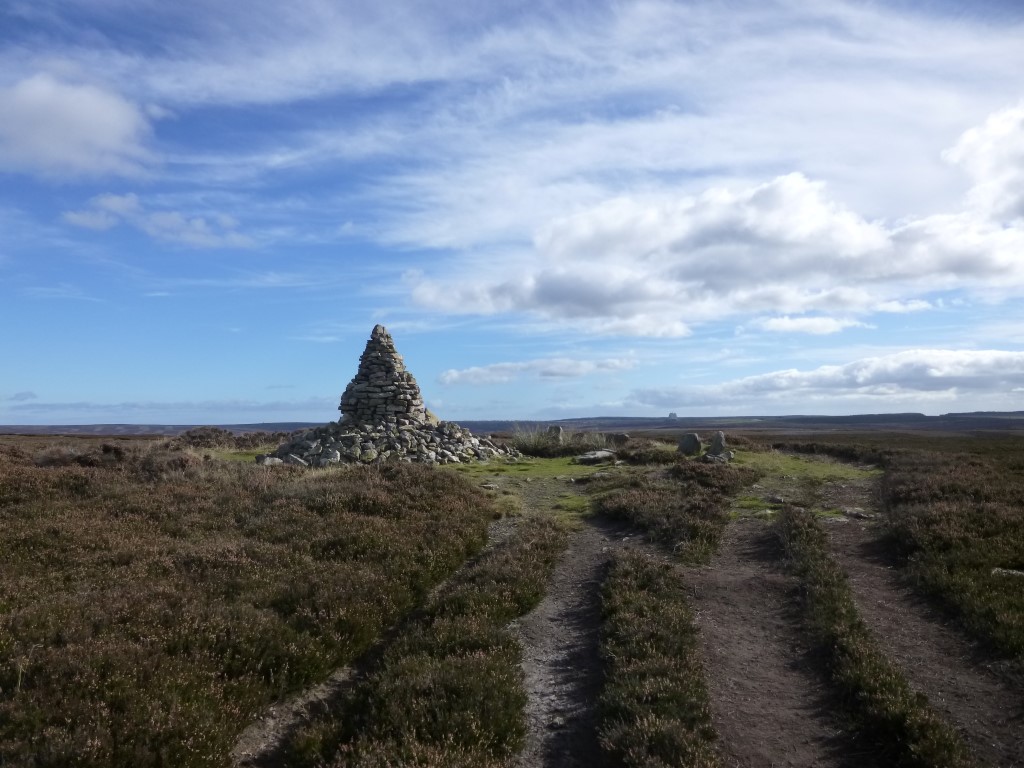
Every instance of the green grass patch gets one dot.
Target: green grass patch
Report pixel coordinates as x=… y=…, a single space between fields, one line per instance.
x=449 y=690
x=875 y=692
x=154 y=603
x=654 y=709
x=776 y=463
x=527 y=467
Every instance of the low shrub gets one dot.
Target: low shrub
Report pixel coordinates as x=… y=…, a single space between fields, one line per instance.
x=152 y=610
x=686 y=510
x=875 y=691
x=654 y=709
x=448 y=691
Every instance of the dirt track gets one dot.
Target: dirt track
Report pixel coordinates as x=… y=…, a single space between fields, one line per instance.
x=560 y=656
x=933 y=654
x=769 y=702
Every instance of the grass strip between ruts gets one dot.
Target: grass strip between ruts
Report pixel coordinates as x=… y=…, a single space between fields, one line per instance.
x=655 y=706
x=877 y=694
x=449 y=690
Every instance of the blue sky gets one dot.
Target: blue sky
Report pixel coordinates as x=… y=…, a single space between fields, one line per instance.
x=558 y=209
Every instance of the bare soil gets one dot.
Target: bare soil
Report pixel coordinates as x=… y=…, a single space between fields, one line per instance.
x=970 y=691
x=561 y=664
x=770 y=702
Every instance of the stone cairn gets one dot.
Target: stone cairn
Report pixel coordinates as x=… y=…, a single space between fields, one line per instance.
x=383 y=419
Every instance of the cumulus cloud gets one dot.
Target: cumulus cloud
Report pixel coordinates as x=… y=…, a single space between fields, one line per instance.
x=908 y=375
x=546 y=368
x=213 y=230
x=780 y=246
x=54 y=128
x=993 y=156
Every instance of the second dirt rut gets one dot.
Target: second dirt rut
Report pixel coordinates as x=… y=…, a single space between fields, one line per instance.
x=934 y=656
x=560 y=656
x=769 y=706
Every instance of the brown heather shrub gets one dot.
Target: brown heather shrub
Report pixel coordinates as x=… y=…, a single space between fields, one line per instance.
x=958 y=518
x=654 y=709
x=953 y=505
x=875 y=691
x=449 y=690
x=215 y=437
x=155 y=604
x=686 y=511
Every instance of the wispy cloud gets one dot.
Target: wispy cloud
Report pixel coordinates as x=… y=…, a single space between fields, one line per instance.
x=59 y=291
x=21 y=397
x=902 y=376
x=212 y=230
x=817 y=325
x=546 y=368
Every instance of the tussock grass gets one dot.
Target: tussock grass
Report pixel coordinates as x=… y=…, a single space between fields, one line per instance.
x=538 y=442
x=153 y=603
x=687 y=509
x=449 y=690
x=654 y=708
x=874 y=690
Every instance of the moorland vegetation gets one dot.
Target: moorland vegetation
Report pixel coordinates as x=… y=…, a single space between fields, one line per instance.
x=157 y=597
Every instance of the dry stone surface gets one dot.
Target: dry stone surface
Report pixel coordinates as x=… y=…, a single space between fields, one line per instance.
x=383 y=419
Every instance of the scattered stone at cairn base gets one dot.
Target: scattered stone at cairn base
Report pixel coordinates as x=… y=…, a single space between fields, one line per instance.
x=690 y=444
x=384 y=419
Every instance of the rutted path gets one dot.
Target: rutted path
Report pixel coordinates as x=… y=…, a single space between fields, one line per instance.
x=259 y=745
x=770 y=706
x=560 y=656
x=936 y=659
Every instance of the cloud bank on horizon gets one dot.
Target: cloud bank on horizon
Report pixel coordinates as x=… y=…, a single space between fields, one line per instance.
x=558 y=209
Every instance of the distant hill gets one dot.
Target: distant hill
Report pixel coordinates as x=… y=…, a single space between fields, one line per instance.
x=950 y=422
x=168 y=430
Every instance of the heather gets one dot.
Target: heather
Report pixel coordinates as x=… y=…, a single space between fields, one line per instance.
x=154 y=603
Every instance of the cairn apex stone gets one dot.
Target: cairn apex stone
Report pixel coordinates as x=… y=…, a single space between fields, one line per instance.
x=382 y=388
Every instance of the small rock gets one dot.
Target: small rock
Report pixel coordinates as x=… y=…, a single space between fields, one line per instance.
x=1007 y=572
x=595 y=457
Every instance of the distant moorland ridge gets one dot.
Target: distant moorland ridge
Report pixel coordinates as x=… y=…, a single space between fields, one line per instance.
x=950 y=422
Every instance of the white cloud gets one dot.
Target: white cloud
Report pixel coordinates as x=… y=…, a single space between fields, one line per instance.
x=993 y=156
x=902 y=376
x=547 y=368
x=903 y=307
x=213 y=230
x=57 y=128
x=630 y=264
x=819 y=326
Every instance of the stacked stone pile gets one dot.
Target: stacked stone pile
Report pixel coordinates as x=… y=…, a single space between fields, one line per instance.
x=382 y=390
x=384 y=419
